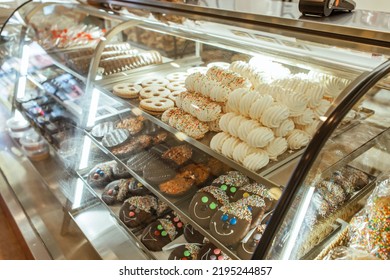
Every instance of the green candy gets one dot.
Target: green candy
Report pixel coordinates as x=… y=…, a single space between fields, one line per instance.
x=205 y=199
x=164 y=233
x=213 y=205
x=233 y=189
x=223 y=187
x=159 y=227
x=187 y=253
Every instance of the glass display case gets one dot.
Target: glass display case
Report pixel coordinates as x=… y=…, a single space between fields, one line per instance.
x=160 y=131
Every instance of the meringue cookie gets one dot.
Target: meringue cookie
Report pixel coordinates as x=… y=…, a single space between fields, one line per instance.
x=335 y=85
x=218 y=140
x=306 y=118
x=276 y=147
x=225 y=120
x=219 y=92
x=311 y=129
x=285 y=127
x=274 y=115
x=314 y=92
x=256 y=160
x=246 y=127
x=229 y=145
x=258 y=107
x=296 y=102
x=322 y=108
x=298 y=139
x=246 y=102
x=191 y=80
x=241 y=151
x=260 y=137
x=235 y=124
x=233 y=102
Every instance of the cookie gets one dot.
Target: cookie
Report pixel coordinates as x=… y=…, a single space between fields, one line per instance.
x=115 y=138
x=138 y=161
x=138 y=189
x=100 y=175
x=138 y=210
x=181 y=184
x=231 y=223
x=192 y=235
x=185 y=252
x=154 y=91
x=157 y=172
x=231 y=182
x=197 y=69
x=205 y=204
x=177 y=86
x=162 y=232
x=256 y=205
x=201 y=172
x=211 y=252
x=120 y=172
x=174 y=95
x=156 y=104
x=133 y=125
x=127 y=90
x=155 y=82
x=101 y=129
x=246 y=249
x=270 y=196
x=116 y=191
x=134 y=145
x=177 y=76
x=178 y=155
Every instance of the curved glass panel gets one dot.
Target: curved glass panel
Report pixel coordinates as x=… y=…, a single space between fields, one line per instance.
x=348 y=168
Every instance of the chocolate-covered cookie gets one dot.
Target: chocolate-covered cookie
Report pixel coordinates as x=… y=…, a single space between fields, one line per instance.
x=231 y=182
x=116 y=191
x=256 y=205
x=185 y=252
x=101 y=129
x=100 y=175
x=246 y=249
x=133 y=125
x=200 y=171
x=270 y=196
x=205 y=203
x=120 y=172
x=178 y=155
x=138 y=161
x=157 y=172
x=181 y=184
x=192 y=235
x=115 y=138
x=211 y=252
x=135 y=144
x=231 y=223
x=137 y=188
x=138 y=210
x=162 y=232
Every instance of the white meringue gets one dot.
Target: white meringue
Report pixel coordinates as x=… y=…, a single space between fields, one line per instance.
x=218 y=140
x=285 y=127
x=256 y=160
x=276 y=147
x=274 y=115
x=260 y=137
x=258 y=107
x=298 y=139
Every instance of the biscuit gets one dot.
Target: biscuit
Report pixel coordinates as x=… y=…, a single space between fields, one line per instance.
x=175 y=94
x=127 y=90
x=176 y=86
x=155 y=82
x=157 y=104
x=154 y=91
x=177 y=76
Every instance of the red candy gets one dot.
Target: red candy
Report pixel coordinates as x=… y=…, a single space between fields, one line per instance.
x=156 y=233
x=109 y=192
x=131 y=214
x=217 y=251
x=179 y=225
x=176 y=219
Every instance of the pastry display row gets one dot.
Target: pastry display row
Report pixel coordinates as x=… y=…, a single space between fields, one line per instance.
x=183 y=152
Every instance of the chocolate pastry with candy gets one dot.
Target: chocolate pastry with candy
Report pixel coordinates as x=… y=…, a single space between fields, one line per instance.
x=200 y=171
x=185 y=252
x=162 y=232
x=211 y=252
x=246 y=249
x=205 y=203
x=270 y=196
x=231 y=223
x=231 y=182
x=100 y=175
x=116 y=191
x=256 y=205
x=178 y=155
x=138 y=210
x=192 y=235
